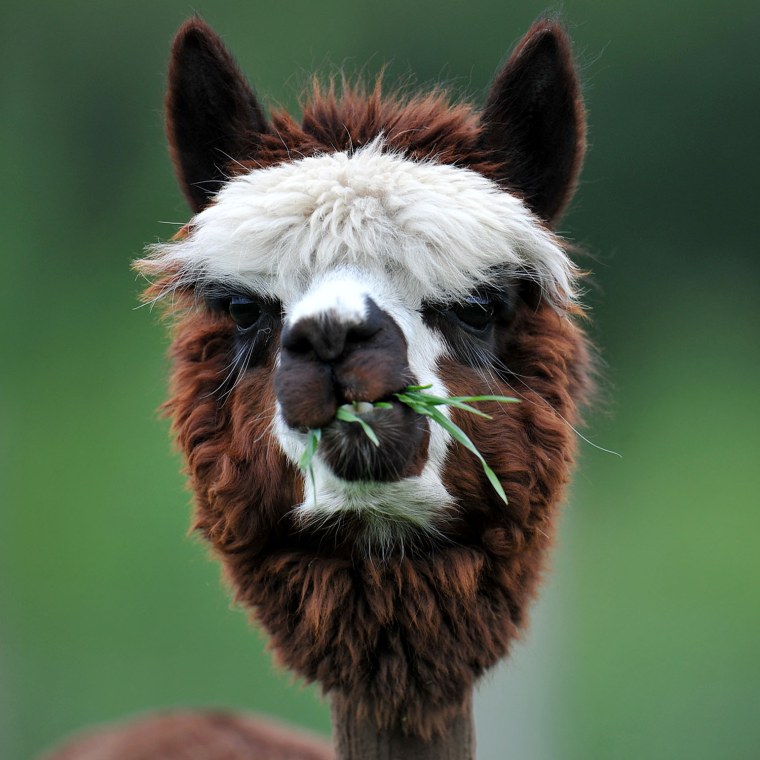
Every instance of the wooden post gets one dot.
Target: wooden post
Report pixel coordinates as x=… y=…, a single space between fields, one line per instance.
x=360 y=739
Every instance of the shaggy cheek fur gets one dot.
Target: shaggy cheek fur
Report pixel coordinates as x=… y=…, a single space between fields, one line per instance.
x=243 y=485
x=397 y=641
x=531 y=448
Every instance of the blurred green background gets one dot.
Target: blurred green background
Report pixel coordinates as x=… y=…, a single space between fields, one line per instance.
x=646 y=643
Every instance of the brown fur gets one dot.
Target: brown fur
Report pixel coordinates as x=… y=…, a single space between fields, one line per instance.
x=539 y=71
x=348 y=117
x=193 y=735
x=397 y=639
x=406 y=637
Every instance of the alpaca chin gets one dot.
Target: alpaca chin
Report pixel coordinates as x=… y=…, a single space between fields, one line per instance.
x=386 y=508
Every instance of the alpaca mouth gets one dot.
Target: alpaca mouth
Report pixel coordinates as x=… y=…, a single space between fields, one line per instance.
x=393 y=448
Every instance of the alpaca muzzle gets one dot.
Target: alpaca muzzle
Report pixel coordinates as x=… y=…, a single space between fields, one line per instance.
x=330 y=359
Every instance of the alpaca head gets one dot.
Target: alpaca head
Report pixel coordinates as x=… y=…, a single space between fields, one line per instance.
x=376 y=244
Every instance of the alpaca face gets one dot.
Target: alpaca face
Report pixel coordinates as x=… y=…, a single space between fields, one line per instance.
x=377 y=243
x=357 y=259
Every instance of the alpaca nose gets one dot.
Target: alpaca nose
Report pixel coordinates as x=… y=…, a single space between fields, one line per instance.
x=329 y=358
x=326 y=338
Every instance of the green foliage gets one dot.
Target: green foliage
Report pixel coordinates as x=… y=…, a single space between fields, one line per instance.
x=307 y=458
x=348 y=416
x=427 y=405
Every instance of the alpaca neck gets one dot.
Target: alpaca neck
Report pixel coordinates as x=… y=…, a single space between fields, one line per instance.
x=359 y=739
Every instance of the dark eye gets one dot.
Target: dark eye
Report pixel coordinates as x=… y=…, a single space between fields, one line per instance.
x=476 y=311
x=244 y=311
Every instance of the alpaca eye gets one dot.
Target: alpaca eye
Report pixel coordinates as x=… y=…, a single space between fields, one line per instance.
x=244 y=311
x=476 y=311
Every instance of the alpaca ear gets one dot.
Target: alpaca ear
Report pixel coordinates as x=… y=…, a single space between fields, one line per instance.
x=534 y=122
x=212 y=116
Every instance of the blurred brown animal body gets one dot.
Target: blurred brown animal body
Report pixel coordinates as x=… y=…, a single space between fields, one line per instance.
x=378 y=243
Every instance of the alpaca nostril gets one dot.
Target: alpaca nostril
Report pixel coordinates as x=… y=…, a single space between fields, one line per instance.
x=327 y=338
x=323 y=338
x=361 y=337
x=363 y=331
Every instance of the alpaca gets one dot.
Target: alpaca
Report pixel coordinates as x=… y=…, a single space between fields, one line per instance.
x=382 y=242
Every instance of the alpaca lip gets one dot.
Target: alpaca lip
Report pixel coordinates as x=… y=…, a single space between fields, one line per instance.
x=359 y=408
x=377 y=417
x=349 y=452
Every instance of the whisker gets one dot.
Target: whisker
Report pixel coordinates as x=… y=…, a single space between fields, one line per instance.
x=229 y=370
x=537 y=396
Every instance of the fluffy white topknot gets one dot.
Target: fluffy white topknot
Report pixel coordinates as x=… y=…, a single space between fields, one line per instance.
x=434 y=231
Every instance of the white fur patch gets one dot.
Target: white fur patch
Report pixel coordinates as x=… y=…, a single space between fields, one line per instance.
x=437 y=231
x=340 y=297
x=421 y=501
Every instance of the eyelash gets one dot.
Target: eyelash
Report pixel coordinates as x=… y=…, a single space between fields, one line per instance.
x=474 y=344
x=253 y=322
x=476 y=313
x=246 y=306
x=245 y=312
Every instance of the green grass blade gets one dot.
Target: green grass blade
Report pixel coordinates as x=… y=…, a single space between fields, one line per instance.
x=459 y=435
x=459 y=402
x=427 y=405
x=312 y=441
x=467 y=408
x=455 y=431
x=306 y=462
x=428 y=398
x=346 y=416
x=491 y=475
x=500 y=399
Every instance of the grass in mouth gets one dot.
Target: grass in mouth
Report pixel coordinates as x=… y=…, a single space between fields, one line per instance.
x=426 y=404
x=307 y=458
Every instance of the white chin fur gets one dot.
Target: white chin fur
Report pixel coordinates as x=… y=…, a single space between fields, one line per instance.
x=389 y=510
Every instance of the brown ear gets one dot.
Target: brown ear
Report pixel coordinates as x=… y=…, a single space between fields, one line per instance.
x=534 y=121
x=212 y=116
